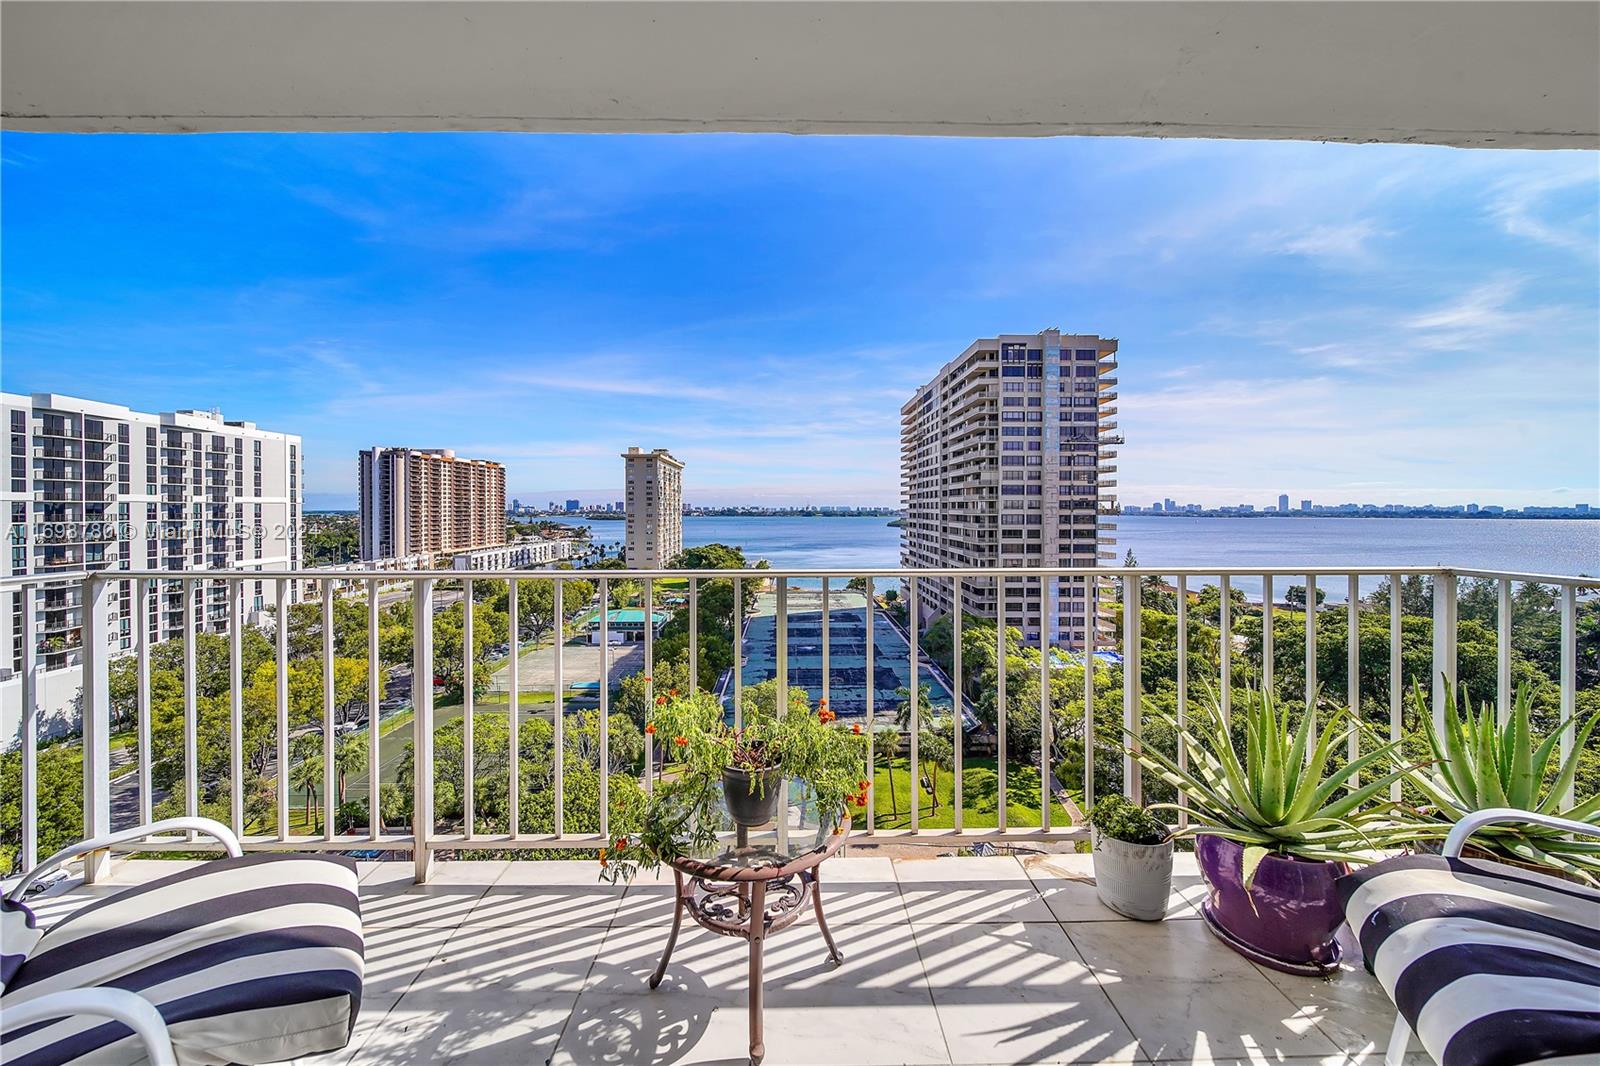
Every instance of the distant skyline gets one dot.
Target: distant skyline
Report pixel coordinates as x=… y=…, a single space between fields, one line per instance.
x=1393 y=324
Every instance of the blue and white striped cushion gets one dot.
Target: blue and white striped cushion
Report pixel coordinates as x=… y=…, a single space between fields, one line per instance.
x=1490 y=964
x=18 y=936
x=254 y=959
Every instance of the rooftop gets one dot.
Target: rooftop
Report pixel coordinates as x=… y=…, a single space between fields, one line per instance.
x=947 y=960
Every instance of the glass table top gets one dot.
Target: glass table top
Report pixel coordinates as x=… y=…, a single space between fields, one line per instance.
x=770 y=845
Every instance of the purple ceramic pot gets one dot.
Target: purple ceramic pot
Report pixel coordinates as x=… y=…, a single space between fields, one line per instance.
x=1288 y=919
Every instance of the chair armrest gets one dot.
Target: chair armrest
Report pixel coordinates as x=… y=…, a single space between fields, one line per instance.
x=212 y=828
x=118 y=1004
x=1493 y=815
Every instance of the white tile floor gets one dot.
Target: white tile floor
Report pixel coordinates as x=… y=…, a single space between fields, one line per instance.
x=970 y=961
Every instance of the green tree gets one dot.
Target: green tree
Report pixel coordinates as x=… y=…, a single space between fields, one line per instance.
x=888 y=748
x=935 y=751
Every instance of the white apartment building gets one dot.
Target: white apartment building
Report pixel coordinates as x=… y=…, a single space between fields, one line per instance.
x=97 y=486
x=424 y=502
x=1005 y=457
x=521 y=555
x=654 y=507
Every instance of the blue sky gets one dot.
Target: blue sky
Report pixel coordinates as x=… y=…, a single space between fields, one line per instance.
x=1366 y=323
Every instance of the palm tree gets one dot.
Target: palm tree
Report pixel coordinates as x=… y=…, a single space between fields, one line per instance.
x=934 y=750
x=307 y=776
x=902 y=714
x=889 y=743
x=349 y=759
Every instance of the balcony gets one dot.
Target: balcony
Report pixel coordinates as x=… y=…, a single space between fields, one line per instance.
x=946 y=960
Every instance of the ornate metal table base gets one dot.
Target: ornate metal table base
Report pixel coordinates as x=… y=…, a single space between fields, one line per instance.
x=730 y=902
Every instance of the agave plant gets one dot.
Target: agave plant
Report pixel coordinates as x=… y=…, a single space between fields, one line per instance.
x=1286 y=796
x=1479 y=763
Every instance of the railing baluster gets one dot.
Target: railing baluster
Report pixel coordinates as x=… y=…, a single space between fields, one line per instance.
x=650 y=682
x=468 y=703
x=1000 y=703
x=280 y=684
x=957 y=701
x=605 y=709
x=781 y=697
x=1311 y=642
x=872 y=736
x=191 y=762
x=1267 y=635
x=558 y=712
x=1444 y=642
x=29 y=741
x=96 y=722
x=694 y=635
x=142 y=688
x=1132 y=718
x=1091 y=621
x=1502 y=653
x=825 y=621
x=1569 y=678
x=738 y=653
x=422 y=726
x=1048 y=617
x=374 y=740
x=1225 y=645
x=329 y=711
x=1397 y=682
x=1183 y=690
x=514 y=718
x=235 y=706
x=1353 y=666
x=914 y=711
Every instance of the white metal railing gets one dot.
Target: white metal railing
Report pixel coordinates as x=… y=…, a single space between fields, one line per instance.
x=424 y=837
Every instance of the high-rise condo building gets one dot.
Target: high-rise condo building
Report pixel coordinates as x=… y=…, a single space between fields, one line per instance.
x=1004 y=462
x=1283 y=503
x=96 y=486
x=418 y=502
x=654 y=508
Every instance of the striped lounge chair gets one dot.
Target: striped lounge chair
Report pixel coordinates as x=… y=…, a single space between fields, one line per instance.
x=1489 y=964
x=247 y=959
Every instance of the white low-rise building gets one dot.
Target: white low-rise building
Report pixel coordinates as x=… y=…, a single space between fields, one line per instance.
x=520 y=556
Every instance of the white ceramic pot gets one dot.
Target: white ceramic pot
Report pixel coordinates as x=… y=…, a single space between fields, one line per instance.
x=1134 y=880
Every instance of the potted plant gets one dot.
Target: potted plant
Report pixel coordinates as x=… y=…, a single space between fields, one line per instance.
x=1274 y=828
x=1479 y=763
x=1132 y=859
x=712 y=768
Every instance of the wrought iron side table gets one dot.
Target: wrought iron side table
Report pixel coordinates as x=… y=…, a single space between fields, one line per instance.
x=751 y=891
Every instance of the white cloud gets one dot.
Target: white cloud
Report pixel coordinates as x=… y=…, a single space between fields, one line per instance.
x=1519 y=205
x=1340 y=242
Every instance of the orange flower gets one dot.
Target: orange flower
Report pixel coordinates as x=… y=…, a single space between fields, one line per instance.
x=602 y=856
x=822 y=703
x=661 y=701
x=672 y=692
x=862 y=785
x=856 y=729
x=622 y=842
x=648 y=679
x=651 y=729
x=680 y=741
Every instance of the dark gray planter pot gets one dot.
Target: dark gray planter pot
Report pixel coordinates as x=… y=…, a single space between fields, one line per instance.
x=1135 y=880
x=749 y=806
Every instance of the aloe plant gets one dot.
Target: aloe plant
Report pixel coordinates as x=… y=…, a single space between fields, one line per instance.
x=1286 y=796
x=1478 y=762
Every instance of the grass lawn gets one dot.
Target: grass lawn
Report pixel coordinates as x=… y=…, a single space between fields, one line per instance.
x=979 y=797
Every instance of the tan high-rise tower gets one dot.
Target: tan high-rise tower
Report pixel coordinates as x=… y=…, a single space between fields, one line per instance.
x=1004 y=457
x=654 y=504
x=420 y=502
